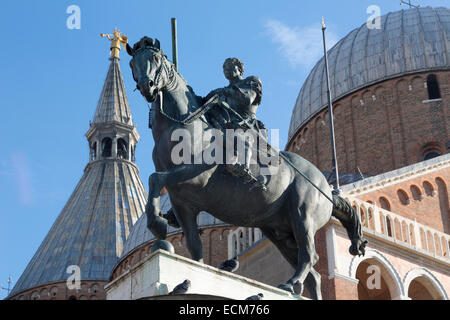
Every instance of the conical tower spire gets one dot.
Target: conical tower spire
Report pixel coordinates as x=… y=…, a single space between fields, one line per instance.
x=113 y=102
x=91 y=229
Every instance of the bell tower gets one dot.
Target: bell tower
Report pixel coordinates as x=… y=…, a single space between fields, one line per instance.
x=90 y=231
x=112 y=134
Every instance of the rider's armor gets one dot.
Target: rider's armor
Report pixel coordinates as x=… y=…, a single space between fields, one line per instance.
x=243 y=97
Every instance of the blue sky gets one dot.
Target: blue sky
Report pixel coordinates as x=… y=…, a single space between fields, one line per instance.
x=51 y=78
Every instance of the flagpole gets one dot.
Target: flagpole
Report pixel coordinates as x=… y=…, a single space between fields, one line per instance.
x=174 y=43
x=334 y=166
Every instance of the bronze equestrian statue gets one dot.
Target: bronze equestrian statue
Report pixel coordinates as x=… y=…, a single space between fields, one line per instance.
x=298 y=200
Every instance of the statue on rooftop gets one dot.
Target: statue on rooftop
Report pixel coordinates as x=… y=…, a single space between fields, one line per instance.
x=116 y=39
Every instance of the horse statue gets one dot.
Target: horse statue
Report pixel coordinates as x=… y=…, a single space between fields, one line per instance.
x=296 y=203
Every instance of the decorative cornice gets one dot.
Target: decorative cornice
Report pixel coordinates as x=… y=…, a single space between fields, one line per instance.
x=341 y=276
x=109 y=125
x=51 y=284
x=397 y=176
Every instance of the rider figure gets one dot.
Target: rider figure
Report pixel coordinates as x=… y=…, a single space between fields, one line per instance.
x=243 y=96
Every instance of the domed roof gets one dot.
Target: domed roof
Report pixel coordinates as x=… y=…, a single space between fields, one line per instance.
x=409 y=41
x=140 y=234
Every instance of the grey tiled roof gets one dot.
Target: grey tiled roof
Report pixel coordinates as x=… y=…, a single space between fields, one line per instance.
x=91 y=230
x=409 y=41
x=113 y=102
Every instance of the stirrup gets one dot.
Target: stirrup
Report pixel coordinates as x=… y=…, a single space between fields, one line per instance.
x=241 y=171
x=259 y=182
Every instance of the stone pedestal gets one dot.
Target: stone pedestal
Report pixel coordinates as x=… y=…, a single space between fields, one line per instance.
x=157 y=274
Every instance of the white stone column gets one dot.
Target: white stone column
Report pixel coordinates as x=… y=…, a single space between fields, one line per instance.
x=230 y=244
x=114 y=148
x=130 y=154
x=130 y=144
x=376 y=218
x=97 y=149
x=330 y=238
x=417 y=235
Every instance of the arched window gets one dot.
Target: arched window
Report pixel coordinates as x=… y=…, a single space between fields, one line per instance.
x=53 y=291
x=122 y=149
x=367 y=288
x=403 y=197
x=443 y=204
x=431 y=154
x=389 y=226
x=429 y=189
x=106 y=147
x=420 y=284
x=433 y=87
x=429 y=151
x=416 y=193
x=35 y=296
x=384 y=203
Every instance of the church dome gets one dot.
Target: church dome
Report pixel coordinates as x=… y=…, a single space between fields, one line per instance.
x=409 y=41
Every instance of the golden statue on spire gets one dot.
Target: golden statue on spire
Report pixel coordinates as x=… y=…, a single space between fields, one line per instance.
x=116 y=39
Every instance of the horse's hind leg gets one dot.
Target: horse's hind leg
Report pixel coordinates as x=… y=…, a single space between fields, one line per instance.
x=288 y=249
x=304 y=230
x=187 y=219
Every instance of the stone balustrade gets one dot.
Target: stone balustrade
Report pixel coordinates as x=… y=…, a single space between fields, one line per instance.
x=385 y=224
x=396 y=228
x=241 y=239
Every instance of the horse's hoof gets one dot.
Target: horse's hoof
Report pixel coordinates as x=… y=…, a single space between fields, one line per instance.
x=298 y=288
x=358 y=248
x=162 y=245
x=158 y=226
x=287 y=287
x=171 y=219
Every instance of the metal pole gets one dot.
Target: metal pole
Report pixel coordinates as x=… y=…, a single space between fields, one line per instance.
x=174 y=43
x=9 y=286
x=334 y=166
x=409 y=4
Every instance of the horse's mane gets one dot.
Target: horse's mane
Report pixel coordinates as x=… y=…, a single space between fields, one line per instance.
x=147 y=42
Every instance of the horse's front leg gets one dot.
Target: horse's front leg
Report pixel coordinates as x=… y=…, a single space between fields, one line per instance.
x=156 y=182
x=155 y=222
x=187 y=217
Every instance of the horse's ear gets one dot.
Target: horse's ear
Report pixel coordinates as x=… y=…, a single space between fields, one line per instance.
x=157 y=44
x=130 y=50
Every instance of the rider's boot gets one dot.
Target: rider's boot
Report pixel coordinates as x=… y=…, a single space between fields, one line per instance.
x=242 y=171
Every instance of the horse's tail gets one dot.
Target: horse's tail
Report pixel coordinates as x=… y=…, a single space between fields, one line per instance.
x=347 y=215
